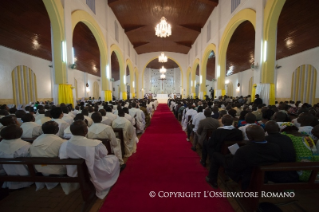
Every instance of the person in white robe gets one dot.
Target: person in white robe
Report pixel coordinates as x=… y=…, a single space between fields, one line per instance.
x=102 y=131
x=140 y=118
x=85 y=112
x=56 y=114
x=109 y=113
x=130 y=138
x=29 y=127
x=128 y=116
x=104 y=169
x=13 y=147
x=48 y=145
x=190 y=112
x=40 y=115
x=66 y=117
x=47 y=117
x=105 y=120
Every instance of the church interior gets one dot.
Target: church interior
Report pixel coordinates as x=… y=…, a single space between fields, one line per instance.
x=134 y=105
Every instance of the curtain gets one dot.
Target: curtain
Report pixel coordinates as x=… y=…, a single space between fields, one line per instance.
x=96 y=90
x=266 y=92
x=65 y=94
x=24 y=85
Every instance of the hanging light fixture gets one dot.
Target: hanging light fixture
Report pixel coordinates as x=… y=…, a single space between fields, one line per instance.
x=163 y=76
x=163 y=29
x=162 y=58
x=163 y=70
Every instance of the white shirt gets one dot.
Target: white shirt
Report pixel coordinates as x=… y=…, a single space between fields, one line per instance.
x=197 y=118
x=67 y=118
x=31 y=130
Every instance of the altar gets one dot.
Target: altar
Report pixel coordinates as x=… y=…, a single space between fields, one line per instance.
x=162 y=98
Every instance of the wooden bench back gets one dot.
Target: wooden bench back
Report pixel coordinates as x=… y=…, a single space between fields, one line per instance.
x=83 y=177
x=120 y=135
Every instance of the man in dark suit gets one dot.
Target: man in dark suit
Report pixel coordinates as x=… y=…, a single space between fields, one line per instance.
x=239 y=167
x=258 y=101
x=288 y=153
x=212 y=92
x=226 y=133
x=206 y=124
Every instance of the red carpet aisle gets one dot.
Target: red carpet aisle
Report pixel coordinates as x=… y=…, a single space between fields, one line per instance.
x=163 y=162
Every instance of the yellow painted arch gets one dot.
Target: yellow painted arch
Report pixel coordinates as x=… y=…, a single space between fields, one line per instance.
x=136 y=82
x=211 y=47
x=84 y=17
x=56 y=14
x=180 y=68
x=235 y=21
x=130 y=67
x=272 y=12
x=187 y=81
x=193 y=71
x=119 y=54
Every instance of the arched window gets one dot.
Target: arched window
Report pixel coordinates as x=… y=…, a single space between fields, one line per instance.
x=96 y=90
x=303 y=86
x=24 y=85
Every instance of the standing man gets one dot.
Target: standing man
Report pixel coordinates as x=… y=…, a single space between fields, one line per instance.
x=211 y=92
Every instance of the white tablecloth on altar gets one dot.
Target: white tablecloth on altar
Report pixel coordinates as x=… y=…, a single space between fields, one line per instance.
x=162 y=98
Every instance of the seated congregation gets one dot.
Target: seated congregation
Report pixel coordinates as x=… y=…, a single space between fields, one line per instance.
x=286 y=132
x=61 y=131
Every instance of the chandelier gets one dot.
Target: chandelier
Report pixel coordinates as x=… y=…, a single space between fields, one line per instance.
x=163 y=70
x=163 y=76
x=162 y=58
x=163 y=29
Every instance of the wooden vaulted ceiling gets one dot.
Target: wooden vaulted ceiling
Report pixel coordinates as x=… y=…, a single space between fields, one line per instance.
x=25 y=27
x=86 y=50
x=241 y=48
x=298 y=27
x=154 y=64
x=115 y=67
x=140 y=17
x=210 y=69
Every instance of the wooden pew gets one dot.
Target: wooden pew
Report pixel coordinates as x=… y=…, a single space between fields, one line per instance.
x=106 y=142
x=257 y=183
x=120 y=135
x=83 y=178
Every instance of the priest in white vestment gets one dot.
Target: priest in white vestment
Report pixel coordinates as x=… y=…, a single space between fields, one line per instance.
x=109 y=113
x=104 y=169
x=102 y=131
x=47 y=117
x=140 y=118
x=13 y=147
x=189 y=112
x=56 y=114
x=105 y=120
x=48 y=145
x=29 y=127
x=130 y=138
x=85 y=112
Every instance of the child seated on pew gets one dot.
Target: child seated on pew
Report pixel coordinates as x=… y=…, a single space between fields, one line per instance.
x=13 y=147
x=29 y=127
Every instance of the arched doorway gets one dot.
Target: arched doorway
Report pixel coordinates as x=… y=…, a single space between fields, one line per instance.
x=127 y=80
x=197 y=82
x=173 y=78
x=86 y=56
x=115 y=69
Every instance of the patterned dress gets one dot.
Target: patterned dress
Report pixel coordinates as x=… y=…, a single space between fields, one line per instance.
x=303 y=154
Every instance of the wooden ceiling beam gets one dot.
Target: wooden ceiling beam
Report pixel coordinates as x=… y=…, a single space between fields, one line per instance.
x=187 y=44
x=138 y=44
x=213 y=3
x=133 y=28
x=195 y=28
